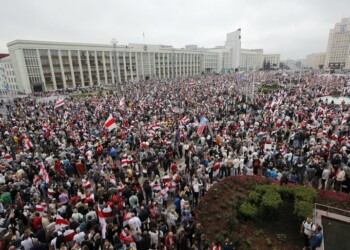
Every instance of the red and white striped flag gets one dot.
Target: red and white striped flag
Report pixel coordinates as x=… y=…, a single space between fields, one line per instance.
x=60 y=223
x=36 y=180
x=216 y=169
x=345 y=120
x=185 y=120
x=103 y=223
x=68 y=235
x=59 y=103
x=43 y=173
x=27 y=143
x=87 y=186
x=110 y=123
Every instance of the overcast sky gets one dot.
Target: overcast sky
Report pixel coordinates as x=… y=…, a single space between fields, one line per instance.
x=293 y=28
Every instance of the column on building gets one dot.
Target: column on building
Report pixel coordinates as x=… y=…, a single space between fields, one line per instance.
x=125 y=69
x=52 y=72
x=142 y=67
x=112 y=67
x=81 y=69
x=62 y=69
x=104 y=67
x=41 y=70
x=97 y=67
x=137 y=66
x=71 y=68
x=131 y=66
x=89 y=68
x=164 y=57
x=149 y=65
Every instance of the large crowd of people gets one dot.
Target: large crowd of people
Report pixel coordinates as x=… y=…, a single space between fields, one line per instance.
x=71 y=180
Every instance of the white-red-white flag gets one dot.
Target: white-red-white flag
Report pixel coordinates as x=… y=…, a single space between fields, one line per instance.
x=43 y=173
x=27 y=143
x=103 y=223
x=59 y=103
x=110 y=123
x=60 y=222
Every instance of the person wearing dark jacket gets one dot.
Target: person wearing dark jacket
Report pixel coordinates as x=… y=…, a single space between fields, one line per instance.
x=145 y=242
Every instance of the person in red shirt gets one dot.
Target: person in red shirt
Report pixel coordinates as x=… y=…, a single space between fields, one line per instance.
x=170 y=241
x=37 y=221
x=174 y=168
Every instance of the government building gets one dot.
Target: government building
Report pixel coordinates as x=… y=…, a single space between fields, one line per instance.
x=48 y=66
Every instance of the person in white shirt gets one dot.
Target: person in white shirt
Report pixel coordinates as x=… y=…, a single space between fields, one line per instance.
x=325 y=176
x=307 y=228
x=236 y=164
x=79 y=236
x=172 y=217
x=135 y=221
x=27 y=242
x=76 y=215
x=196 y=185
x=92 y=213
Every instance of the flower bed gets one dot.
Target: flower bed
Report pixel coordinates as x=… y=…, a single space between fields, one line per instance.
x=259 y=213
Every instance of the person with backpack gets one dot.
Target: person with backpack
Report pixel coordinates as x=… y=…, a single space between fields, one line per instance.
x=316 y=238
x=307 y=228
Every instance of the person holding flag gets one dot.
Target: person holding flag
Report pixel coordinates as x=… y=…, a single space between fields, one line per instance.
x=202 y=124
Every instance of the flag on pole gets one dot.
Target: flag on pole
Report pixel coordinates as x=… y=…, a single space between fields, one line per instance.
x=110 y=123
x=60 y=223
x=102 y=221
x=59 y=103
x=202 y=124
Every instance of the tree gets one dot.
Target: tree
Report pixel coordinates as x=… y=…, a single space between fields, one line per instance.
x=268 y=66
x=264 y=64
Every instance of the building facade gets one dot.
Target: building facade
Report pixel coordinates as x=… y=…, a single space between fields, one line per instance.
x=233 y=44
x=338 y=48
x=273 y=60
x=8 y=83
x=315 y=60
x=48 y=66
x=251 y=59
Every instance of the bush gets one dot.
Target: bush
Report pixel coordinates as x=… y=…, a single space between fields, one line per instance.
x=254 y=197
x=303 y=209
x=305 y=194
x=262 y=189
x=271 y=200
x=248 y=210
